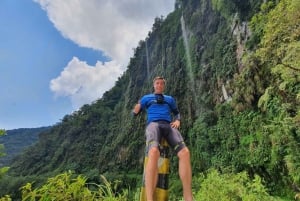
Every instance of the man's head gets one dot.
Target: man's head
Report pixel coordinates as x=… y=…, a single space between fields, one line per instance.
x=159 y=85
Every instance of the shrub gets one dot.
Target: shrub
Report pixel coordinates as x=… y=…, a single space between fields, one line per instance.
x=232 y=187
x=67 y=186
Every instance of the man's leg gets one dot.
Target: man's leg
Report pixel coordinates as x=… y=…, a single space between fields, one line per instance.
x=151 y=174
x=185 y=173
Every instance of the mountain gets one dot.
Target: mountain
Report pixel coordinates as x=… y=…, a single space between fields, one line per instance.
x=232 y=66
x=16 y=140
x=104 y=131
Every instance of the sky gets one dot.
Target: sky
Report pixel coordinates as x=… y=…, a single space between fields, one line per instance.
x=56 y=56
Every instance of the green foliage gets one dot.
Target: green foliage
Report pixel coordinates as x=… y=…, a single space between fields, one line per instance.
x=67 y=187
x=2 y=132
x=3 y=170
x=279 y=53
x=17 y=140
x=6 y=198
x=281 y=46
x=228 y=8
x=232 y=187
x=261 y=136
x=257 y=25
x=262 y=144
x=274 y=63
x=214 y=186
x=2 y=153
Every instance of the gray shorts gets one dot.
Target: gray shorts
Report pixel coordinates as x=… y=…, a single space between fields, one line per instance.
x=156 y=130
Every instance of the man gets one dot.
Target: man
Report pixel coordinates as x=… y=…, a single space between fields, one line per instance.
x=159 y=109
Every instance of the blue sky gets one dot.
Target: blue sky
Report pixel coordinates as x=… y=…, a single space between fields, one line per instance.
x=57 y=55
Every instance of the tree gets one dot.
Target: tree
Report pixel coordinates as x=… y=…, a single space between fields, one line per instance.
x=3 y=170
x=279 y=52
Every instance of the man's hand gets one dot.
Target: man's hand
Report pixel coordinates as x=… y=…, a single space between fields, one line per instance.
x=175 y=124
x=137 y=109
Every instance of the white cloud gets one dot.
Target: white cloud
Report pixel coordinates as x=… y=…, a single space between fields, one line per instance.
x=84 y=83
x=112 y=26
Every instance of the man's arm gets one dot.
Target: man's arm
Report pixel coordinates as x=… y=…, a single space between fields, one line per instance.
x=176 y=122
x=137 y=109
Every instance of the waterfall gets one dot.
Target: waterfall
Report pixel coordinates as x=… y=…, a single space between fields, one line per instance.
x=187 y=51
x=147 y=60
x=189 y=63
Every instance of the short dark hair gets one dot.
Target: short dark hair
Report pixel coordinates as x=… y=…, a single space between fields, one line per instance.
x=159 y=78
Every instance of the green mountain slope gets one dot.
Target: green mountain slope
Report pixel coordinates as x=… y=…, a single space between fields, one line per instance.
x=233 y=67
x=16 y=140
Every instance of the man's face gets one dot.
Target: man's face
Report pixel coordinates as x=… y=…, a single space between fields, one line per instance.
x=159 y=86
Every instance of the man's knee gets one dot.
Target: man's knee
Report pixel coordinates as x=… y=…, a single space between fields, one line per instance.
x=184 y=153
x=153 y=152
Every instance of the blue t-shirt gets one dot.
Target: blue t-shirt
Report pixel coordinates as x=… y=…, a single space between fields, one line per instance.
x=159 y=107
